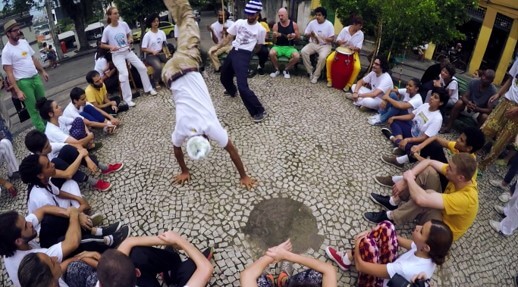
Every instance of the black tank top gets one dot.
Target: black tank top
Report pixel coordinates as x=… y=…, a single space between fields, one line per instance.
x=285 y=31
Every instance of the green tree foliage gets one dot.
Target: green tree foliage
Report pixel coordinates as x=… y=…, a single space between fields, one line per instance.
x=137 y=10
x=400 y=24
x=80 y=13
x=12 y=7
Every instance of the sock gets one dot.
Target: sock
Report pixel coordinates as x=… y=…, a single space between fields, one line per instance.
x=391 y=137
x=90 y=180
x=402 y=159
x=98 y=231
x=397 y=178
x=389 y=215
x=393 y=201
x=108 y=240
x=346 y=260
x=102 y=166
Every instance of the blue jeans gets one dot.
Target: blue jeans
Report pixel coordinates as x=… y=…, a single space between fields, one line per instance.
x=390 y=110
x=237 y=63
x=92 y=114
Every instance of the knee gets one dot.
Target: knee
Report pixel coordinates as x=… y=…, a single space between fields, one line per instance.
x=272 y=54
x=295 y=56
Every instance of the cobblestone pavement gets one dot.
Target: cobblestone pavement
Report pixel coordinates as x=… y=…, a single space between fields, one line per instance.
x=314 y=148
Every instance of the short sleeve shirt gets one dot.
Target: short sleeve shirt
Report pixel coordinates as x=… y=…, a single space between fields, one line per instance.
x=217 y=28
x=154 y=41
x=478 y=96
x=96 y=96
x=512 y=93
x=55 y=134
x=426 y=122
x=117 y=36
x=323 y=31
x=247 y=36
x=408 y=265
x=355 y=40
x=20 y=57
x=382 y=82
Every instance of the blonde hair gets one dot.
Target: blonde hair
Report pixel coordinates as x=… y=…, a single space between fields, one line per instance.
x=466 y=165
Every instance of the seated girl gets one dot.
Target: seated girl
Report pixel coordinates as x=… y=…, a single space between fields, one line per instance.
x=398 y=102
x=77 y=135
x=375 y=253
x=319 y=273
x=414 y=128
x=92 y=116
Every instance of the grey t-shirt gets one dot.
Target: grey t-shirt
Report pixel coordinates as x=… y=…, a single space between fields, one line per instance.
x=478 y=96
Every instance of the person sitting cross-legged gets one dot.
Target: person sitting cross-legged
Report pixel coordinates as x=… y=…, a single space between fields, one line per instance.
x=92 y=116
x=475 y=102
x=375 y=253
x=378 y=81
x=136 y=262
x=97 y=95
x=421 y=197
x=318 y=273
x=414 y=128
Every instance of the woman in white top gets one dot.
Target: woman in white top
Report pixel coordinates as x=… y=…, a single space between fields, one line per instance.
x=152 y=45
x=78 y=134
x=375 y=252
x=117 y=38
x=104 y=66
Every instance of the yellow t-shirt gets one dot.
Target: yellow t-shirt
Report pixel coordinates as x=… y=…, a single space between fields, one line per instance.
x=95 y=96
x=460 y=206
x=267 y=28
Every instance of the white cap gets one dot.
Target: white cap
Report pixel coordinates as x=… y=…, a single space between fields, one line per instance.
x=198 y=147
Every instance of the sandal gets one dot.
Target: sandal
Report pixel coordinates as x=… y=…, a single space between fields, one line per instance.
x=270 y=279
x=282 y=278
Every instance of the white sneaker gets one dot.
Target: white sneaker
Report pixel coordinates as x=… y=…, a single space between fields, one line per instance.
x=275 y=74
x=153 y=92
x=497 y=183
x=374 y=120
x=499 y=209
x=314 y=80
x=286 y=74
x=131 y=104
x=504 y=197
x=495 y=225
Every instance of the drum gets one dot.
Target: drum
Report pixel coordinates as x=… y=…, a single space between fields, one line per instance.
x=342 y=68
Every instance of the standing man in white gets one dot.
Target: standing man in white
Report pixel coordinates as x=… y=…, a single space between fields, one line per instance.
x=321 y=34
x=117 y=38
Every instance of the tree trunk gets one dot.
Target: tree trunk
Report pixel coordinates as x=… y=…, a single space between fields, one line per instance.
x=79 y=22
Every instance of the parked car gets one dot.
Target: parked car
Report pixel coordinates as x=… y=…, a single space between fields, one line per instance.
x=165 y=26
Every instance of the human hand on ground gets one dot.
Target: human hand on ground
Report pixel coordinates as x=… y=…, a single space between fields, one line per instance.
x=248 y=182
x=182 y=178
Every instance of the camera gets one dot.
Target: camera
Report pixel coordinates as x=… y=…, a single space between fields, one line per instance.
x=400 y=281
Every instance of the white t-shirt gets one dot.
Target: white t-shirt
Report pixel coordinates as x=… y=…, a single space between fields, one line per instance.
x=408 y=265
x=20 y=57
x=416 y=101
x=40 y=196
x=117 y=36
x=383 y=82
x=324 y=30
x=153 y=41
x=12 y=263
x=217 y=28
x=512 y=93
x=425 y=121
x=247 y=36
x=56 y=134
x=355 y=40
x=454 y=87
x=101 y=65
x=195 y=114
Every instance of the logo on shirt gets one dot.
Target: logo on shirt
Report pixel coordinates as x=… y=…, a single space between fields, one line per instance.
x=120 y=38
x=24 y=54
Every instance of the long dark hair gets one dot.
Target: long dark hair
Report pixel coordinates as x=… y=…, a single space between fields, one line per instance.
x=439 y=240
x=45 y=107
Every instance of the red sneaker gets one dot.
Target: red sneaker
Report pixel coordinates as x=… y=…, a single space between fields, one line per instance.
x=113 y=168
x=102 y=185
x=337 y=256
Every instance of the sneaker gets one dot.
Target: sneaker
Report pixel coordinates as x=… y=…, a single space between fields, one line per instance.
x=384 y=180
x=97 y=219
x=116 y=238
x=131 y=104
x=504 y=197
x=337 y=256
x=329 y=84
x=286 y=74
x=386 y=132
x=398 y=152
x=392 y=161
x=112 y=228
x=374 y=120
x=499 y=209
x=275 y=74
x=113 y=168
x=376 y=217
x=153 y=92
x=314 y=80
x=310 y=75
x=260 y=71
x=497 y=183
x=349 y=96
x=251 y=73
x=496 y=227
x=383 y=200
x=260 y=117
x=102 y=185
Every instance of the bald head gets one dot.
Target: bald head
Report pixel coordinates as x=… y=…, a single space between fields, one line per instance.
x=487 y=77
x=283 y=15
